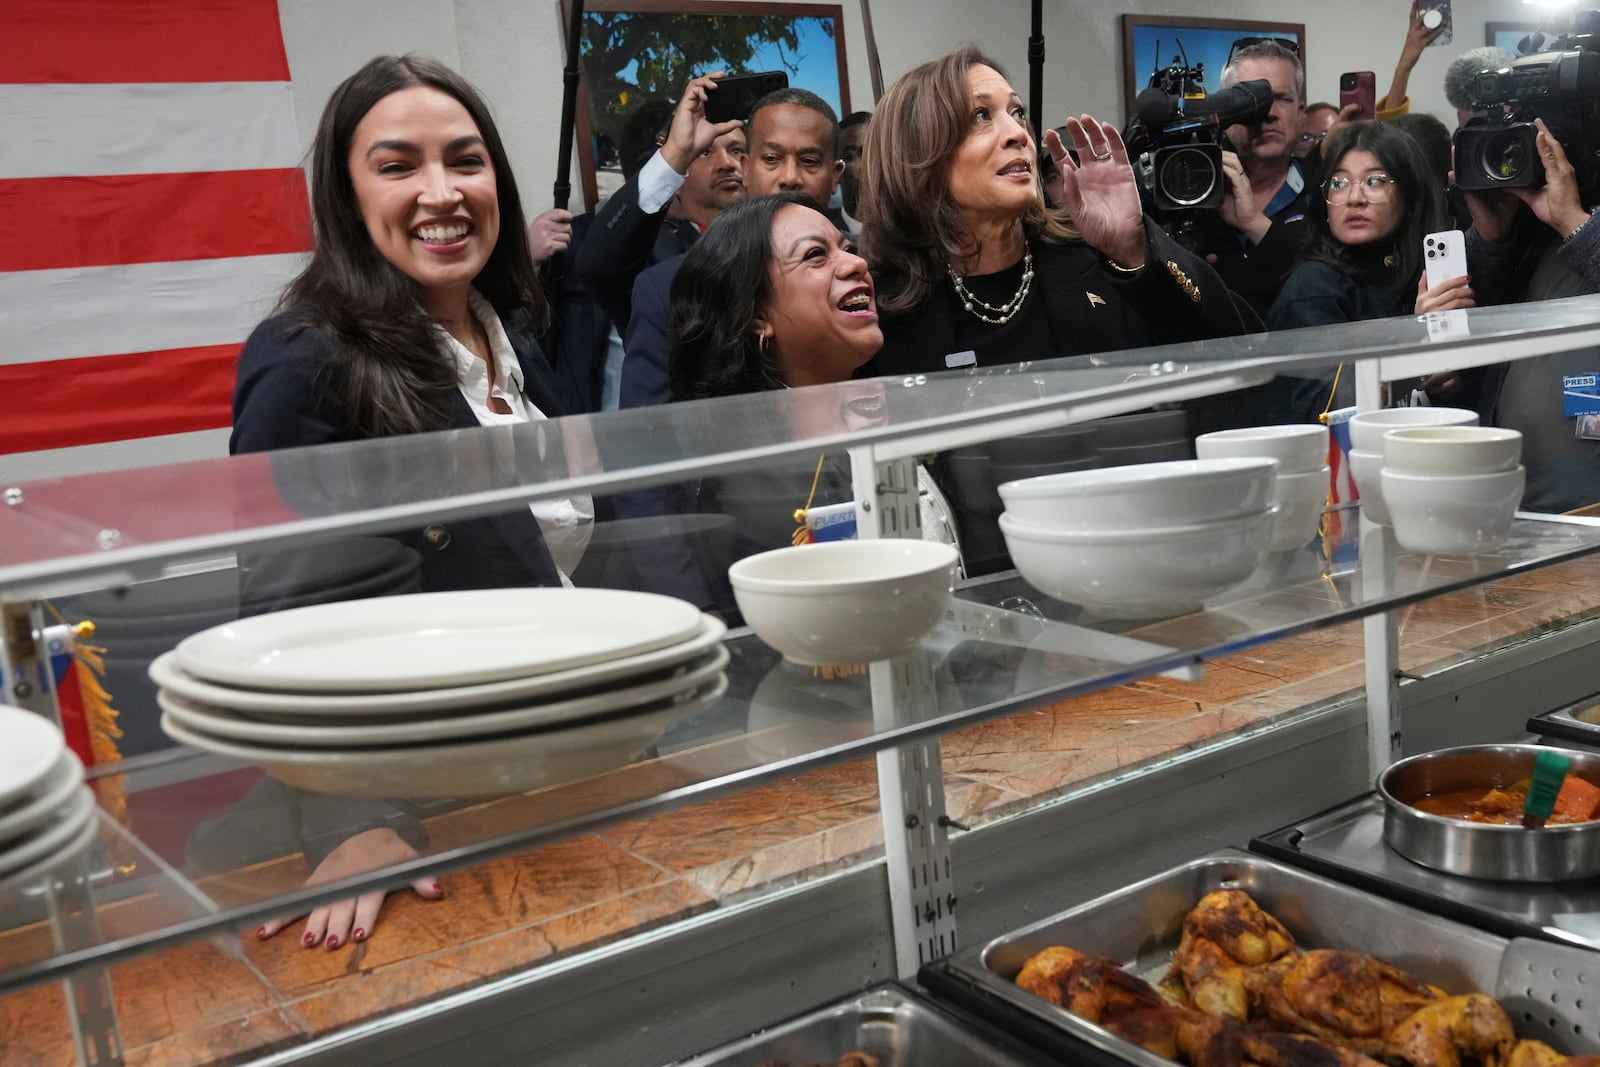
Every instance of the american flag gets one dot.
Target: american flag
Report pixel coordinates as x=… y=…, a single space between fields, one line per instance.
x=154 y=208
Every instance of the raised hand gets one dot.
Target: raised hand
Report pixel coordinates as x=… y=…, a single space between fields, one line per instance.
x=1100 y=191
x=1451 y=294
x=691 y=132
x=1557 y=203
x=549 y=232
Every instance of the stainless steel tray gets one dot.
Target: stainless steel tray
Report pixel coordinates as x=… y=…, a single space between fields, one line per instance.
x=1540 y=984
x=1346 y=843
x=885 y=1022
x=1577 y=724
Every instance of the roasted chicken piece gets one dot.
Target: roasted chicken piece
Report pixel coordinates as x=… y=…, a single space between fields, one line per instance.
x=1222 y=935
x=1530 y=1053
x=1439 y=1034
x=1181 y=1034
x=1344 y=998
x=1091 y=987
x=1266 y=1048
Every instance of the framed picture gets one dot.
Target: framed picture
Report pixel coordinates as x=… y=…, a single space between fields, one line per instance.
x=1509 y=35
x=1152 y=42
x=637 y=55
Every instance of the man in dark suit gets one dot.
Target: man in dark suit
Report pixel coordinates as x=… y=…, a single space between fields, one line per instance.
x=792 y=135
x=660 y=211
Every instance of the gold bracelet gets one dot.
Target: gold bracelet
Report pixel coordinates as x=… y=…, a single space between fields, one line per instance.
x=1119 y=268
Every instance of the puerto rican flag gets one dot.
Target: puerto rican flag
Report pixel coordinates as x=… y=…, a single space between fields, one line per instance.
x=153 y=208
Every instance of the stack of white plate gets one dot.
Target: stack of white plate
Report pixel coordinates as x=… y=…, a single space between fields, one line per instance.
x=444 y=694
x=46 y=814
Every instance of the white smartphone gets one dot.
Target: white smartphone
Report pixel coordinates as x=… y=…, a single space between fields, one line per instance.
x=1444 y=256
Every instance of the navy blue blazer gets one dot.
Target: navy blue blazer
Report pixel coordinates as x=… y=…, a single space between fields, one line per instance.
x=623 y=241
x=646 y=368
x=288 y=394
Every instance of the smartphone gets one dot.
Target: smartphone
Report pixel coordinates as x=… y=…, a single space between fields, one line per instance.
x=735 y=96
x=1444 y=256
x=1440 y=10
x=1359 y=87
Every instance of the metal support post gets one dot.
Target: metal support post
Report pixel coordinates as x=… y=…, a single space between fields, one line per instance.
x=1380 y=633
x=30 y=684
x=911 y=777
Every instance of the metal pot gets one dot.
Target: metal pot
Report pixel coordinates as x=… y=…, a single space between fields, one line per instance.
x=1481 y=850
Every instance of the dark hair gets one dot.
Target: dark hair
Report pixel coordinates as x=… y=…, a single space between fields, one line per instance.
x=394 y=376
x=1433 y=137
x=799 y=98
x=1321 y=105
x=642 y=133
x=855 y=118
x=911 y=225
x=719 y=290
x=1421 y=198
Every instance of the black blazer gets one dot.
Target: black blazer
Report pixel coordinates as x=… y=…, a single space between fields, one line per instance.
x=623 y=241
x=288 y=395
x=1091 y=308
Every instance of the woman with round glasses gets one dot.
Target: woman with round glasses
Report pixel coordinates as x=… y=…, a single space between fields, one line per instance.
x=1364 y=258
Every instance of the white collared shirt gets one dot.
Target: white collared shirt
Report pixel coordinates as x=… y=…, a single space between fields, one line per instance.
x=567 y=521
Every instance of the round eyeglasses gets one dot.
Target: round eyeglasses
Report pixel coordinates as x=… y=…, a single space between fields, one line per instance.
x=1377 y=188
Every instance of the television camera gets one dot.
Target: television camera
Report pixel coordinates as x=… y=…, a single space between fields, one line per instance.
x=1560 y=86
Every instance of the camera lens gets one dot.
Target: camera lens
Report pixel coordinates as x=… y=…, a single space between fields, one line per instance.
x=1187 y=176
x=1505 y=156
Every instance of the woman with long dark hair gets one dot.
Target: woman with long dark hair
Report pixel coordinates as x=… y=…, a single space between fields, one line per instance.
x=415 y=313
x=1364 y=259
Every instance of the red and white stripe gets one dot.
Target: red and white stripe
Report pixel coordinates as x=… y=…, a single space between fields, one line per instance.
x=153 y=209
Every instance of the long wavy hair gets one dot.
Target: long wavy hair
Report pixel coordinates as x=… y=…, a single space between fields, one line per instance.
x=1421 y=199
x=720 y=288
x=911 y=225
x=394 y=376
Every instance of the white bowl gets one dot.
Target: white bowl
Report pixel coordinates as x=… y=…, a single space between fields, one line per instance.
x=1367 y=429
x=1443 y=515
x=1300 y=501
x=1365 y=468
x=1299 y=448
x=1139 y=574
x=845 y=602
x=1451 y=450
x=1142 y=497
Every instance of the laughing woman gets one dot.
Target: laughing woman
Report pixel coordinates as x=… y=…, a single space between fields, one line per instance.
x=415 y=313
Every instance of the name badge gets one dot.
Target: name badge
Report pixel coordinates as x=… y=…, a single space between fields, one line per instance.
x=961 y=359
x=832 y=522
x=1580 y=395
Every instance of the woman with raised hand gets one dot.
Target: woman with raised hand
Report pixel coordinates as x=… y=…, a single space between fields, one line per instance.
x=975 y=269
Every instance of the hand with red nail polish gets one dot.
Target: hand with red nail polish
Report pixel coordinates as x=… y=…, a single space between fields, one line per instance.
x=356 y=919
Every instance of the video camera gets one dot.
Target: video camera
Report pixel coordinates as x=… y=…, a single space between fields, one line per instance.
x=1177 y=135
x=1560 y=86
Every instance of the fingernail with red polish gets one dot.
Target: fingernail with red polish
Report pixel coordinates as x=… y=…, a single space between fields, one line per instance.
x=437 y=888
x=309 y=939
x=261 y=932
x=333 y=942
x=360 y=934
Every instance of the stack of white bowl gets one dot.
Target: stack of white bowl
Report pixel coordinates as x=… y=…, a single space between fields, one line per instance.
x=444 y=694
x=46 y=813
x=1452 y=489
x=1300 y=486
x=1141 y=541
x=841 y=603
x=1366 y=447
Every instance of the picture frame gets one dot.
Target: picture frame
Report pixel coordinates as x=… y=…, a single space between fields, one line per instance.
x=1151 y=40
x=637 y=51
x=1508 y=35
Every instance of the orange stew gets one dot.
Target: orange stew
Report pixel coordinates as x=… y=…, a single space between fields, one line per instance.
x=1578 y=801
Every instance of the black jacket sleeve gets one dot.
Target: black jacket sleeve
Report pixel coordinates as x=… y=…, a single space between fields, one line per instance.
x=616 y=248
x=1179 y=296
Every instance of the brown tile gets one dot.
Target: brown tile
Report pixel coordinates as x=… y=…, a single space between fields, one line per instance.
x=733 y=826
x=1432 y=618
x=1042 y=781
x=1505 y=629
x=385 y=990
x=235 y=1041
x=184 y=989
x=791 y=862
x=34 y=1029
x=493 y=897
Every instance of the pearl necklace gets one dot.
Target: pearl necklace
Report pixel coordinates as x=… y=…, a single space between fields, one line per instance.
x=1005 y=312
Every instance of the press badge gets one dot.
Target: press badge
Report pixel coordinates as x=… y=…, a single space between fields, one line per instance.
x=1579 y=395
